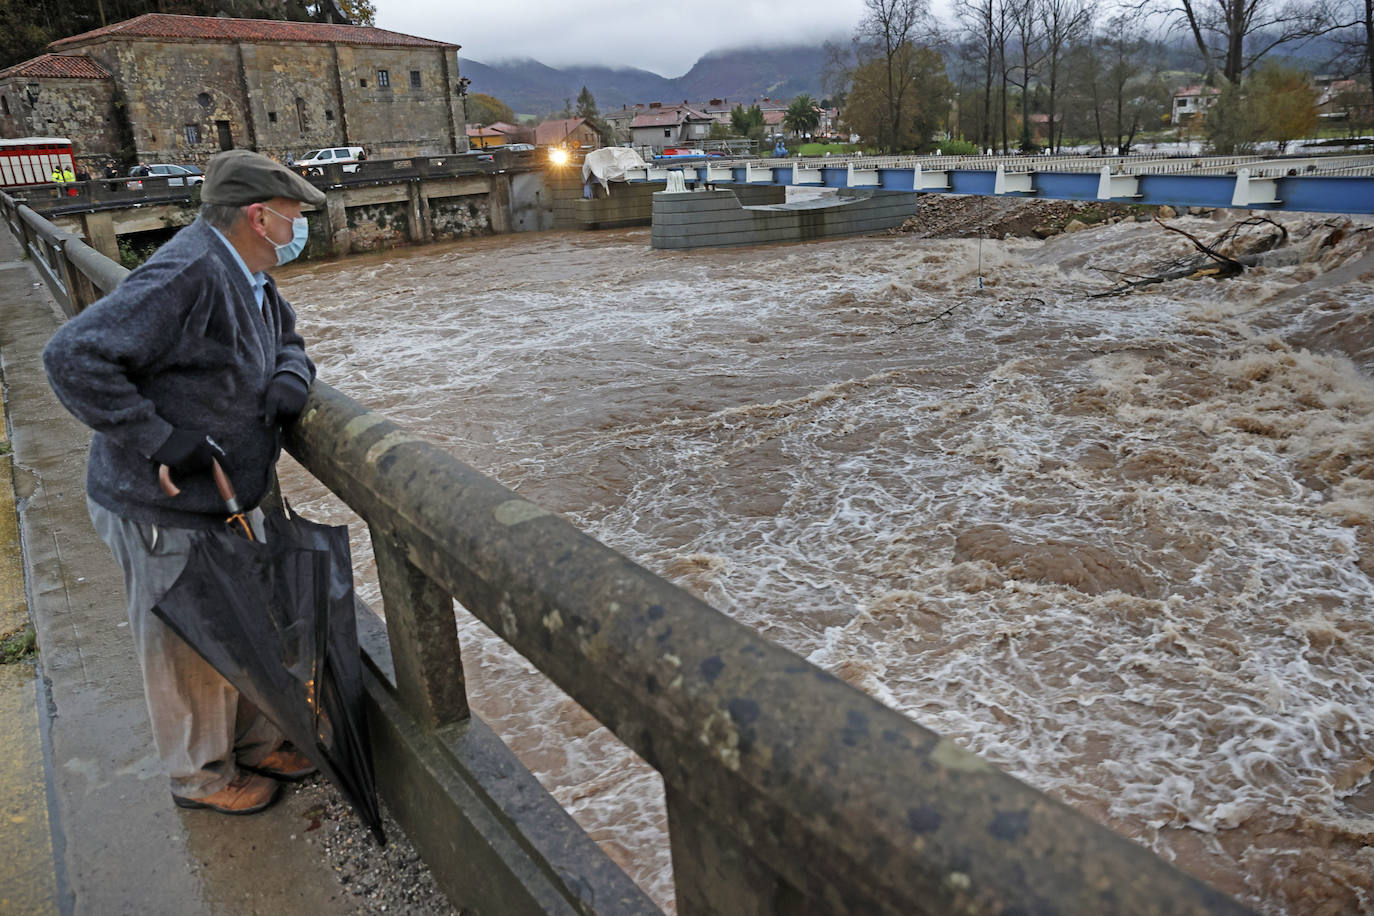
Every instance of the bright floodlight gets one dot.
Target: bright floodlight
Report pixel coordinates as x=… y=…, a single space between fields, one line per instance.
x=558 y=156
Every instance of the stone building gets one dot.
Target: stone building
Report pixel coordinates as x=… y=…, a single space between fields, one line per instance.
x=182 y=88
x=58 y=95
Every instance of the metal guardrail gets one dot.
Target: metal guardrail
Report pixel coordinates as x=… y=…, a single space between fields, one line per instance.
x=788 y=790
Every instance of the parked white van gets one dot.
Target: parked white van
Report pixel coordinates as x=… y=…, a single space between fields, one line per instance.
x=333 y=155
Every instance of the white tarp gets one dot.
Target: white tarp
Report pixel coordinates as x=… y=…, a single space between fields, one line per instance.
x=610 y=164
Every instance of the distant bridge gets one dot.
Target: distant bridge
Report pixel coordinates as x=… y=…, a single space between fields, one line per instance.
x=1323 y=184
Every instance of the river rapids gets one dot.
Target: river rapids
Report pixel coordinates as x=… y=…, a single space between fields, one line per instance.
x=1120 y=547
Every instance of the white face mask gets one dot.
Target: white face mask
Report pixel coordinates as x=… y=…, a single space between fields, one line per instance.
x=300 y=231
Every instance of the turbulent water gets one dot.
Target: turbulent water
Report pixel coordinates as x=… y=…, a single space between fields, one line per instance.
x=1121 y=547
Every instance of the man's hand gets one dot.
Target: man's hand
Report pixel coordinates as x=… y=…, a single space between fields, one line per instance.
x=286 y=395
x=188 y=452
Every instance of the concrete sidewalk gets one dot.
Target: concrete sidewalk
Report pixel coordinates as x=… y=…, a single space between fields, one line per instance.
x=120 y=845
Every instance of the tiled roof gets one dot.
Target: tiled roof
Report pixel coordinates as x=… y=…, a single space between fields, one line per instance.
x=72 y=67
x=497 y=129
x=207 y=28
x=551 y=132
x=1197 y=90
x=662 y=117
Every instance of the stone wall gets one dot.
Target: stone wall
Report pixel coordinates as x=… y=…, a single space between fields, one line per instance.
x=460 y=217
x=376 y=226
x=169 y=86
x=397 y=120
x=293 y=94
x=82 y=110
x=185 y=99
x=711 y=219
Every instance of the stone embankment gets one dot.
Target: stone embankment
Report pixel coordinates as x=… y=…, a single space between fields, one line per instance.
x=962 y=216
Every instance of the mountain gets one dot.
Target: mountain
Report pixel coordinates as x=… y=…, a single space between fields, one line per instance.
x=739 y=74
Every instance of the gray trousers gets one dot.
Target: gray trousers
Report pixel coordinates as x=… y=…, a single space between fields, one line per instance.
x=201 y=726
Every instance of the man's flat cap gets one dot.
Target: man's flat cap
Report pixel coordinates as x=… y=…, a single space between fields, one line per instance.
x=239 y=177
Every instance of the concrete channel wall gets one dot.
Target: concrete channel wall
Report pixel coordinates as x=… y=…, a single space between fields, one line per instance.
x=385 y=204
x=718 y=218
x=788 y=790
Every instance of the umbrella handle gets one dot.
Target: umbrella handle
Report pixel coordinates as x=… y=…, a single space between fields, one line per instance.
x=226 y=489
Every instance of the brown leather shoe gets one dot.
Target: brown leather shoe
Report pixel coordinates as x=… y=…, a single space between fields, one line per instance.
x=284 y=763
x=246 y=793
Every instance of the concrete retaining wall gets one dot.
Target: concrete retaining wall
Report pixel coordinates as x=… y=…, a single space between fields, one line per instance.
x=633 y=204
x=703 y=219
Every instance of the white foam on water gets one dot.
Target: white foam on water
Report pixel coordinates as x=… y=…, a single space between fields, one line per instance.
x=1114 y=545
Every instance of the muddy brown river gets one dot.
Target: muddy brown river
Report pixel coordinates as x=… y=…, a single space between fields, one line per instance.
x=1120 y=547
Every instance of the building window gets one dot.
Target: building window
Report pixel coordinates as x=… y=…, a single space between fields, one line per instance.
x=300 y=114
x=193 y=134
x=272 y=117
x=5 y=105
x=667 y=132
x=362 y=83
x=328 y=115
x=383 y=79
x=414 y=79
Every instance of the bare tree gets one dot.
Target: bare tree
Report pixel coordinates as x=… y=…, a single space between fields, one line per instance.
x=1233 y=35
x=1064 y=23
x=979 y=21
x=1352 y=22
x=1031 y=53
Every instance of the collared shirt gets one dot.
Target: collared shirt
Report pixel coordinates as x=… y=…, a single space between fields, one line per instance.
x=258 y=281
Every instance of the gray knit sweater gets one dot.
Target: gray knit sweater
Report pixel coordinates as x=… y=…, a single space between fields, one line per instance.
x=180 y=344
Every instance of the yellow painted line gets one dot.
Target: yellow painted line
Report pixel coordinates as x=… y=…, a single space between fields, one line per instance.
x=28 y=883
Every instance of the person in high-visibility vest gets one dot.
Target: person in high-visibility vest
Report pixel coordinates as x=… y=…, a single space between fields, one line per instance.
x=57 y=175
x=69 y=177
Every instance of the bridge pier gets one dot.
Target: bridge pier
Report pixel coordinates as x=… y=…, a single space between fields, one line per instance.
x=99 y=229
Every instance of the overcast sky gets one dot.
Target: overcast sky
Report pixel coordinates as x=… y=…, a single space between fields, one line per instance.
x=664 y=38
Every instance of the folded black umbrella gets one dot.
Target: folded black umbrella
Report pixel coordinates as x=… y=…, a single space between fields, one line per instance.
x=275 y=618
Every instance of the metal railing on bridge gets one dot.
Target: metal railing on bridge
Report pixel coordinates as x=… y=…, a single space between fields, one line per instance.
x=788 y=790
x=107 y=193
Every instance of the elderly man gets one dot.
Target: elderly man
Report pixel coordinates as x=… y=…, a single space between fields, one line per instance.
x=194 y=359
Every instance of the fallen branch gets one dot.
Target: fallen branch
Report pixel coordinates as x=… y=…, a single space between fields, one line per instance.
x=949 y=311
x=1215 y=263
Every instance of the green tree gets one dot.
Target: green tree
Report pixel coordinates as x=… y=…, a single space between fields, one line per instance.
x=488 y=109
x=1233 y=125
x=587 y=110
x=747 y=122
x=586 y=105
x=359 y=12
x=802 y=115
x=924 y=100
x=1287 y=103
x=886 y=34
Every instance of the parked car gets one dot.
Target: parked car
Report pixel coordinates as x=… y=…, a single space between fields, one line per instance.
x=519 y=147
x=178 y=176
x=316 y=159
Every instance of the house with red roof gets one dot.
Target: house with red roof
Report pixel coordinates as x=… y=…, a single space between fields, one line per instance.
x=194 y=85
x=1191 y=101
x=575 y=133
x=497 y=133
